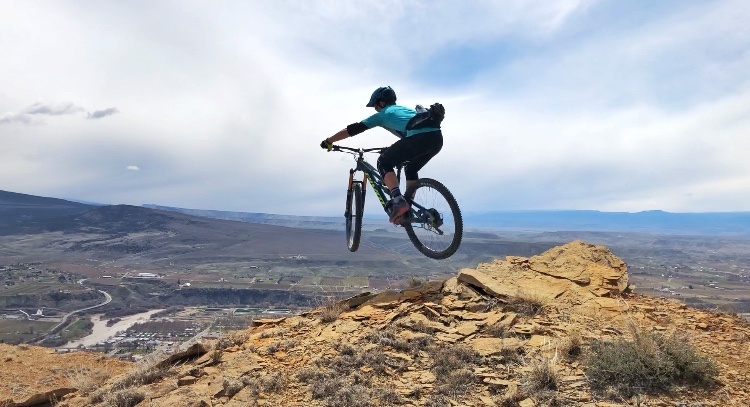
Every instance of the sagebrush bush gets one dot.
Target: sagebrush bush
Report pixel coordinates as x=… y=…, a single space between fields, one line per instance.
x=528 y=304
x=543 y=376
x=454 y=369
x=144 y=373
x=648 y=363
x=331 y=311
x=572 y=345
x=124 y=398
x=86 y=379
x=216 y=356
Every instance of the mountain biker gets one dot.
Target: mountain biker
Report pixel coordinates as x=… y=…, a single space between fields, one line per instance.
x=420 y=139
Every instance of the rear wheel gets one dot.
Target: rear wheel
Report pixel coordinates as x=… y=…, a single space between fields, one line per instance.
x=353 y=215
x=435 y=226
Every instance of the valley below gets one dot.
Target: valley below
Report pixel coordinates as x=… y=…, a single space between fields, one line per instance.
x=149 y=259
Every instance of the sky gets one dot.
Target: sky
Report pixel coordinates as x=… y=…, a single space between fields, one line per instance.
x=566 y=104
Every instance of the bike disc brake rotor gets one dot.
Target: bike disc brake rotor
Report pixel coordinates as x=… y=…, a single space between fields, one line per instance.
x=432 y=218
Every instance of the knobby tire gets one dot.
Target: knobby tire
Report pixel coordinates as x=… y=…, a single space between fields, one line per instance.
x=426 y=239
x=354 y=212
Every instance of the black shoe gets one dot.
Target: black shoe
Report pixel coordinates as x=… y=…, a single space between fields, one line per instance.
x=396 y=209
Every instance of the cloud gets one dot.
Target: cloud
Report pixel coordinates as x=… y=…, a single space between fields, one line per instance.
x=98 y=114
x=25 y=116
x=15 y=118
x=53 y=110
x=132 y=168
x=576 y=104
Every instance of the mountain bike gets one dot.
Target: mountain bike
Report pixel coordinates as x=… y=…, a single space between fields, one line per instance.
x=433 y=224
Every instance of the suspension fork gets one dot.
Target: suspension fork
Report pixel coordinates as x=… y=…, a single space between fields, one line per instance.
x=349 y=192
x=364 y=188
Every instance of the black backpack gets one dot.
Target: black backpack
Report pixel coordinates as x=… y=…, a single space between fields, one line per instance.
x=431 y=117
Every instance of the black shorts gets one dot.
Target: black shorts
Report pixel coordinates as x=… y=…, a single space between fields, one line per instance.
x=415 y=151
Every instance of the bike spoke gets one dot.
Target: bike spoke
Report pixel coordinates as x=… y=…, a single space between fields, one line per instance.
x=433 y=238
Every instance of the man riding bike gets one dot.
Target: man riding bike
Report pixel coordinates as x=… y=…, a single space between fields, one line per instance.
x=420 y=139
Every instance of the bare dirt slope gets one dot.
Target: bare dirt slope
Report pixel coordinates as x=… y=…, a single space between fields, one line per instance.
x=514 y=332
x=32 y=375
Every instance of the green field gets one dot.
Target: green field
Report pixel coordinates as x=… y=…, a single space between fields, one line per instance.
x=39 y=287
x=21 y=330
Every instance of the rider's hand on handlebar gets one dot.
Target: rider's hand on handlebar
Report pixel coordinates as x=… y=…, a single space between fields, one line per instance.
x=327 y=145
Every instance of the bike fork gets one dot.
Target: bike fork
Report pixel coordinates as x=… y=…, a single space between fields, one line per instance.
x=349 y=192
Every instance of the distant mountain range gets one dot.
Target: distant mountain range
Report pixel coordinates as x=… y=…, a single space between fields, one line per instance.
x=19 y=212
x=656 y=222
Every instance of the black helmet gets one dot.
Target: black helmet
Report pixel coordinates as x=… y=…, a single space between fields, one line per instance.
x=384 y=93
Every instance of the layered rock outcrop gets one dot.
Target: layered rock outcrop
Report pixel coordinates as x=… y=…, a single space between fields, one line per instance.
x=468 y=341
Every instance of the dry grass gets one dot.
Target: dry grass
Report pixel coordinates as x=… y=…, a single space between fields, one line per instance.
x=232 y=386
x=216 y=355
x=415 y=282
x=527 y=304
x=124 y=398
x=648 y=363
x=572 y=345
x=269 y=333
x=330 y=311
x=86 y=379
x=453 y=367
x=543 y=375
x=388 y=338
x=541 y=383
x=146 y=372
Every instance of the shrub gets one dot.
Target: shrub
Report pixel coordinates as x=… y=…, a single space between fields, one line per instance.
x=85 y=379
x=124 y=398
x=216 y=356
x=415 y=282
x=453 y=367
x=389 y=396
x=437 y=400
x=497 y=331
x=331 y=311
x=542 y=376
x=144 y=373
x=232 y=386
x=273 y=383
x=528 y=304
x=456 y=382
x=308 y=374
x=350 y=396
x=326 y=386
x=649 y=363
x=572 y=345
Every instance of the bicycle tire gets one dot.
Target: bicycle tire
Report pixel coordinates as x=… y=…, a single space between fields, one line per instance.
x=430 y=194
x=353 y=215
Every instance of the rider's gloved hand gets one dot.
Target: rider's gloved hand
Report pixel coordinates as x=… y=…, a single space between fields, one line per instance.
x=326 y=145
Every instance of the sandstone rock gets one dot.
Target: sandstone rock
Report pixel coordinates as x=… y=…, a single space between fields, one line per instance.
x=186 y=380
x=492 y=346
x=575 y=281
x=584 y=264
x=467 y=328
x=486 y=283
x=268 y=321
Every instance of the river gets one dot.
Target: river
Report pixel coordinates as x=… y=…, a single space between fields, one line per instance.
x=102 y=332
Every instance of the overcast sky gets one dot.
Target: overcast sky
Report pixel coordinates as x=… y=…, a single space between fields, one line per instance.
x=566 y=104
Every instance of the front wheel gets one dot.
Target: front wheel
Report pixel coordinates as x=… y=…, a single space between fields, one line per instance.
x=435 y=226
x=353 y=215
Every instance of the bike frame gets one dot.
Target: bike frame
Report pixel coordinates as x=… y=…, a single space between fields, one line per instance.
x=372 y=175
x=420 y=223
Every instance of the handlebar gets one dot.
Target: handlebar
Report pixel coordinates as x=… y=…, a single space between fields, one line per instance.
x=358 y=150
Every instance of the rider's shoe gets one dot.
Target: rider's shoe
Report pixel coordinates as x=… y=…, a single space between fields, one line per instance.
x=396 y=209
